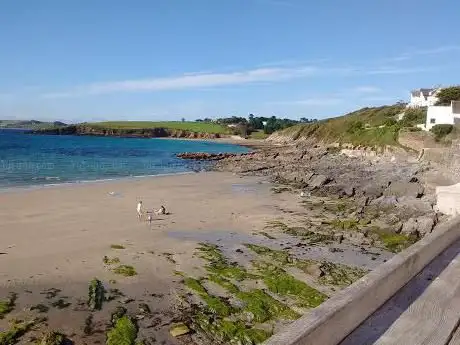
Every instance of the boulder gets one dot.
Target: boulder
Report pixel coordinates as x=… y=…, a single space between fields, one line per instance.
x=318 y=181
x=420 y=205
x=425 y=225
x=385 y=201
x=400 y=189
x=349 y=191
x=410 y=227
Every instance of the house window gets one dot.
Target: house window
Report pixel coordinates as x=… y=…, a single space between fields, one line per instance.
x=432 y=120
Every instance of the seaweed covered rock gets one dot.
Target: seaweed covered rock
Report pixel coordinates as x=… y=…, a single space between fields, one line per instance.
x=96 y=294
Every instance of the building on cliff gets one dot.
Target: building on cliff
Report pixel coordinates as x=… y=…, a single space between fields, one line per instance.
x=423 y=98
x=443 y=115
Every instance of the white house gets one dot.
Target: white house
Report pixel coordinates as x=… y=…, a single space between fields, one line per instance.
x=423 y=98
x=440 y=115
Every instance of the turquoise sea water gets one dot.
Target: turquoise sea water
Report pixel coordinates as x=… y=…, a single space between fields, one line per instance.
x=27 y=160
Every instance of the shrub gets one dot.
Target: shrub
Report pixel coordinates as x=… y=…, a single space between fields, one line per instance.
x=390 y=122
x=355 y=126
x=448 y=94
x=414 y=116
x=440 y=131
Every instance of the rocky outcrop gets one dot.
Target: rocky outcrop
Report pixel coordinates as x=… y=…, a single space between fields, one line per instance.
x=127 y=132
x=386 y=191
x=203 y=156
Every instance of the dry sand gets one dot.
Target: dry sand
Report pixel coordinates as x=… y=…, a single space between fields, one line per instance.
x=56 y=237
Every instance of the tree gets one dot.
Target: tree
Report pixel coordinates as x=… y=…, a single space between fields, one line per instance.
x=441 y=130
x=448 y=94
x=183 y=119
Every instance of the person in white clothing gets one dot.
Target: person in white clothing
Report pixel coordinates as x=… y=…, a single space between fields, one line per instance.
x=139 y=209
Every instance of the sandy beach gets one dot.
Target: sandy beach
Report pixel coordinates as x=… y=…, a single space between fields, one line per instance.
x=56 y=238
x=54 y=241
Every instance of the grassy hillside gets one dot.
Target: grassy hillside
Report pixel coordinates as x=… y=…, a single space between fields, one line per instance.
x=199 y=127
x=375 y=126
x=29 y=124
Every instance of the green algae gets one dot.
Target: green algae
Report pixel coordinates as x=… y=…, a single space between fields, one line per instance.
x=230 y=287
x=264 y=307
x=53 y=338
x=276 y=255
x=110 y=261
x=395 y=242
x=125 y=270
x=117 y=246
x=340 y=275
x=7 y=305
x=96 y=293
x=195 y=284
x=226 y=331
x=346 y=224
x=218 y=264
x=15 y=332
x=280 y=282
x=215 y=304
x=124 y=332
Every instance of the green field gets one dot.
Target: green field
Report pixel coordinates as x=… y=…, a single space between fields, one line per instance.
x=198 y=127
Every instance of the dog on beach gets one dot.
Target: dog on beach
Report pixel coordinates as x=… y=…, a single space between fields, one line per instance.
x=161 y=210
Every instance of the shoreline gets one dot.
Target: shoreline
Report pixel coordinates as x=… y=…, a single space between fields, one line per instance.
x=25 y=188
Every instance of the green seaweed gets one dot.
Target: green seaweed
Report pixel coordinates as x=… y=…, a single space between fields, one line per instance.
x=124 y=332
x=394 y=242
x=53 y=338
x=117 y=246
x=264 y=307
x=7 y=305
x=276 y=255
x=282 y=283
x=15 y=332
x=96 y=294
x=110 y=261
x=226 y=331
x=230 y=287
x=346 y=224
x=340 y=275
x=195 y=285
x=219 y=265
x=117 y=314
x=125 y=270
x=215 y=304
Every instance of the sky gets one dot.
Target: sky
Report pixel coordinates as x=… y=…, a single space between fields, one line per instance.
x=92 y=60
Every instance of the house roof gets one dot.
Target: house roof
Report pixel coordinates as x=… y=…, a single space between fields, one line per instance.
x=424 y=92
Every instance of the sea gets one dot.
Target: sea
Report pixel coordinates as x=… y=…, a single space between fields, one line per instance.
x=28 y=160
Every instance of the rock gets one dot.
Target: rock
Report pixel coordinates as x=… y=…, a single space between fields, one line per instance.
x=400 y=189
x=338 y=238
x=349 y=191
x=410 y=227
x=179 y=329
x=385 y=201
x=373 y=191
x=314 y=270
x=425 y=225
x=205 y=156
x=419 y=205
x=318 y=181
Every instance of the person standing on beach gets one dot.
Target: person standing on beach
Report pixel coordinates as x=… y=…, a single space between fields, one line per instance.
x=139 y=210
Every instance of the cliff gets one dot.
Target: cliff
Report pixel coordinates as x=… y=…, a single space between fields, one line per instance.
x=156 y=132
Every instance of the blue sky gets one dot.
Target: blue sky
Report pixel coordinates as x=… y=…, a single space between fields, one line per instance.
x=150 y=60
